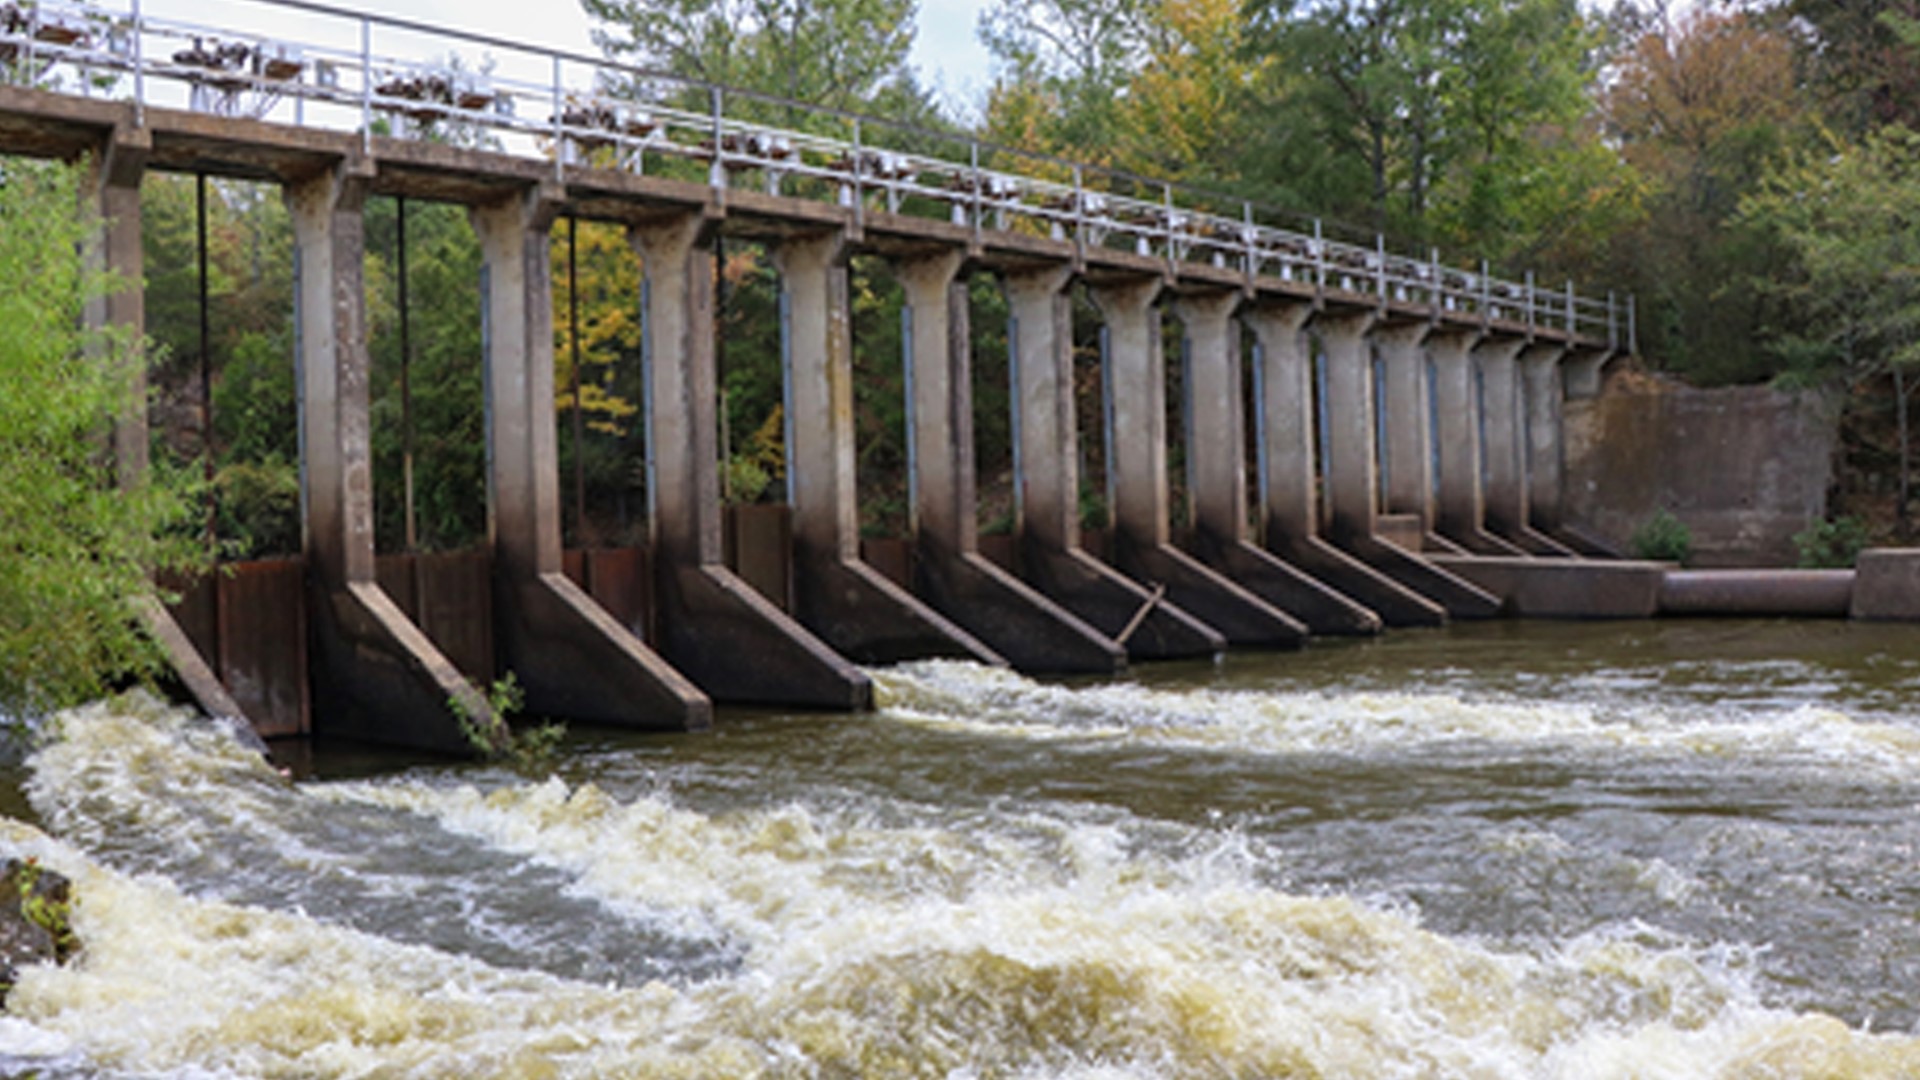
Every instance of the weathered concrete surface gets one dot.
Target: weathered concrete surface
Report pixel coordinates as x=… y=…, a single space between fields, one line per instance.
x=573 y=659
x=1046 y=478
x=1289 y=481
x=732 y=641
x=847 y=603
x=1352 y=477
x=1563 y=588
x=1801 y=593
x=1032 y=632
x=1887 y=584
x=1504 y=416
x=378 y=676
x=1406 y=452
x=1745 y=468
x=1134 y=388
x=1216 y=476
x=1460 y=513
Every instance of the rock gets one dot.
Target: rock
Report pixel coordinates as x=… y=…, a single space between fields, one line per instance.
x=35 y=906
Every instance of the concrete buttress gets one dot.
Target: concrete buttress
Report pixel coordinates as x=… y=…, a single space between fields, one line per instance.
x=1353 y=480
x=1406 y=450
x=714 y=627
x=572 y=657
x=851 y=605
x=1289 y=475
x=1016 y=621
x=1460 y=511
x=1047 y=483
x=380 y=679
x=1134 y=387
x=111 y=190
x=1504 y=420
x=1216 y=476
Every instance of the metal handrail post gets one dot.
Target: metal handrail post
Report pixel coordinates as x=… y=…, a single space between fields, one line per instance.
x=140 y=71
x=366 y=85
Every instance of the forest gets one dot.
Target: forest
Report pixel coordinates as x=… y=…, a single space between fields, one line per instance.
x=1748 y=172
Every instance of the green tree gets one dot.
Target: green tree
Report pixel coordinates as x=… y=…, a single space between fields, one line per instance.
x=1701 y=106
x=1850 y=217
x=75 y=552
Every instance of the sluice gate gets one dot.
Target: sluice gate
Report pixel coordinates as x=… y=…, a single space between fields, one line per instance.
x=1371 y=438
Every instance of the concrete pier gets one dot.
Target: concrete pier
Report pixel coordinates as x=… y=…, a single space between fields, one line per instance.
x=1460 y=512
x=864 y=616
x=1047 y=483
x=1406 y=451
x=1134 y=396
x=1504 y=422
x=1352 y=478
x=721 y=632
x=1289 y=478
x=1032 y=632
x=382 y=680
x=573 y=659
x=1217 y=475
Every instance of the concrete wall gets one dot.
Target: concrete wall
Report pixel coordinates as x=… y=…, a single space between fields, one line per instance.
x=1744 y=468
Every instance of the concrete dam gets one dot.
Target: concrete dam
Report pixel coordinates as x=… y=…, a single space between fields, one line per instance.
x=1404 y=415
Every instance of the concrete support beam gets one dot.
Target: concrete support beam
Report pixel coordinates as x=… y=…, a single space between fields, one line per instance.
x=1548 y=387
x=1352 y=479
x=1032 y=632
x=1504 y=418
x=718 y=630
x=380 y=679
x=1046 y=479
x=846 y=602
x=1289 y=479
x=111 y=190
x=1407 y=443
x=1542 y=389
x=572 y=657
x=1217 y=472
x=1460 y=512
x=1135 y=397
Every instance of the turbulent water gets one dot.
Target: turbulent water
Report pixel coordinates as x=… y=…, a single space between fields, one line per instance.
x=1510 y=850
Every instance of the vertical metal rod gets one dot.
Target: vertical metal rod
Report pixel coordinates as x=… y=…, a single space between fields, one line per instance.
x=206 y=365
x=1572 y=325
x=1486 y=294
x=1613 y=326
x=1380 y=250
x=717 y=172
x=979 y=190
x=139 y=72
x=1633 y=329
x=406 y=374
x=579 y=423
x=366 y=86
x=559 y=118
x=1530 y=300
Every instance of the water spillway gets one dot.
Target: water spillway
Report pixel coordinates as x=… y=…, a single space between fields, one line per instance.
x=1526 y=850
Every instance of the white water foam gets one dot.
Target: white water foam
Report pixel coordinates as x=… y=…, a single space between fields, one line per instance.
x=869 y=951
x=959 y=695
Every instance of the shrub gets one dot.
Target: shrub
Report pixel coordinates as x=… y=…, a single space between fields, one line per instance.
x=1663 y=538
x=1831 y=544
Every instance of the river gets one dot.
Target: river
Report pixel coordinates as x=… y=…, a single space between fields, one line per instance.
x=1503 y=850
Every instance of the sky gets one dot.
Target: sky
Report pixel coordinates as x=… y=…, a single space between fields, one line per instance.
x=950 y=58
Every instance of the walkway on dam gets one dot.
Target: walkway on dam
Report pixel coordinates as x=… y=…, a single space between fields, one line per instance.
x=1405 y=414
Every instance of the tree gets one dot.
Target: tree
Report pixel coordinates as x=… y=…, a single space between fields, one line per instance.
x=849 y=55
x=75 y=552
x=1700 y=106
x=1851 y=219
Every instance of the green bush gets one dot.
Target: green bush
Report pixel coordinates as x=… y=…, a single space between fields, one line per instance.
x=259 y=508
x=1831 y=544
x=1663 y=538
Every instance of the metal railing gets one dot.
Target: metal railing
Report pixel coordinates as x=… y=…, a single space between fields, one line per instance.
x=306 y=64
